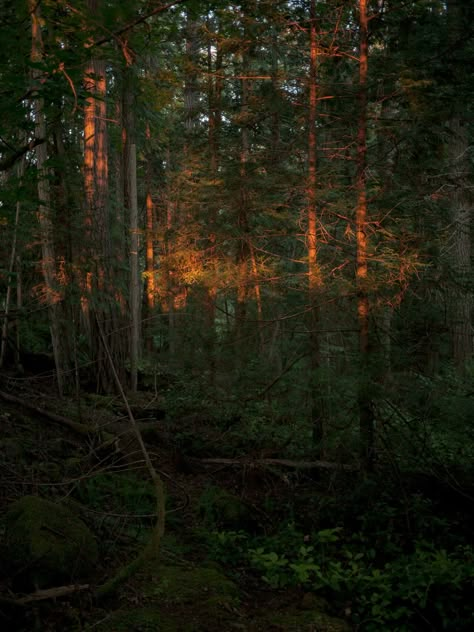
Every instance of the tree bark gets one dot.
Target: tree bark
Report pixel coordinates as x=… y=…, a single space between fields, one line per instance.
x=100 y=299
x=460 y=171
x=366 y=415
x=191 y=89
x=215 y=107
x=51 y=294
x=135 y=301
x=314 y=272
x=130 y=196
x=460 y=307
x=11 y=268
x=242 y=221
x=149 y=247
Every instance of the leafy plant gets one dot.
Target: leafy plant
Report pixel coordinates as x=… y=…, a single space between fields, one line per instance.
x=429 y=586
x=227 y=547
x=275 y=569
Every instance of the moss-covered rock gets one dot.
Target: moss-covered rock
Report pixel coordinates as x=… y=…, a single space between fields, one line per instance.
x=47 y=543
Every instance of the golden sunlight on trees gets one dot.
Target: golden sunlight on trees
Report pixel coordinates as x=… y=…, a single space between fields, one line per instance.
x=362 y=233
x=236 y=256
x=235 y=194
x=51 y=292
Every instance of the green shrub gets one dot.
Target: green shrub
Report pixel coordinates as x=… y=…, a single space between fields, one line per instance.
x=428 y=588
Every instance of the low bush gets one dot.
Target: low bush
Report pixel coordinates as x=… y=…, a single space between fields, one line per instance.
x=426 y=589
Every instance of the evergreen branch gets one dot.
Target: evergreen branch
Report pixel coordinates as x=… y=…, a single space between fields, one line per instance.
x=139 y=20
x=10 y=160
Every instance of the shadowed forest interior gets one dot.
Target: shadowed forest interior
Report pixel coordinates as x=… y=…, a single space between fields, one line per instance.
x=236 y=302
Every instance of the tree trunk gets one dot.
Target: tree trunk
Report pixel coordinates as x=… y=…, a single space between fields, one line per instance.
x=191 y=89
x=135 y=302
x=460 y=172
x=100 y=301
x=149 y=247
x=51 y=295
x=11 y=268
x=366 y=415
x=460 y=304
x=215 y=106
x=314 y=272
x=129 y=165
x=170 y=274
x=242 y=223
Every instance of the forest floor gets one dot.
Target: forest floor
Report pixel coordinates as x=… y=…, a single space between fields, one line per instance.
x=81 y=452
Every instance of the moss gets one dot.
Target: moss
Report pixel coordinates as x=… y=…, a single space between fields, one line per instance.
x=178 y=600
x=306 y=621
x=139 y=619
x=310 y=601
x=177 y=585
x=46 y=542
x=155 y=620
x=202 y=599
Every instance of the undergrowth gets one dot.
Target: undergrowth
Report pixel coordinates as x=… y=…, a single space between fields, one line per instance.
x=425 y=589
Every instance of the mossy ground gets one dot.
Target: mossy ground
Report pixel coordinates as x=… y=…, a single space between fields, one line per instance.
x=175 y=598
x=175 y=584
x=202 y=599
x=304 y=621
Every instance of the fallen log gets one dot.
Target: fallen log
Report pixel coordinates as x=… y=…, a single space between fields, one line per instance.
x=42 y=594
x=110 y=435
x=299 y=465
x=82 y=429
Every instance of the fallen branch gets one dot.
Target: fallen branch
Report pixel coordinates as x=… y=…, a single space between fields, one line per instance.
x=81 y=429
x=47 y=593
x=110 y=436
x=299 y=465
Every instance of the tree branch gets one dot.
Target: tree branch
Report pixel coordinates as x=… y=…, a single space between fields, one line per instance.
x=10 y=160
x=143 y=18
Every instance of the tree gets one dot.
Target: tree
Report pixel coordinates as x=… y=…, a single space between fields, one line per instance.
x=459 y=167
x=100 y=308
x=314 y=272
x=51 y=292
x=287 y=191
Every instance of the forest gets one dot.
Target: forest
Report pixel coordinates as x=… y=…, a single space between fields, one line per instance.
x=236 y=311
